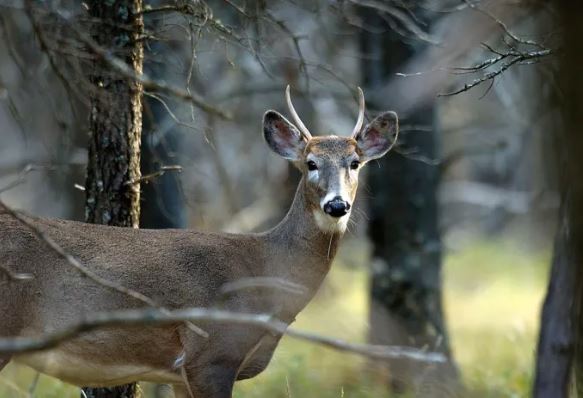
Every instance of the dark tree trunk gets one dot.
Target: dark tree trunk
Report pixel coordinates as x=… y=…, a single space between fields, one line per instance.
x=163 y=204
x=556 y=341
x=406 y=304
x=115 y=122
x=112 y=194
x=560 y=348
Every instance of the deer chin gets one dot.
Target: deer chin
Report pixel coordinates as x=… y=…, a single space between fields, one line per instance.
x=330 y=224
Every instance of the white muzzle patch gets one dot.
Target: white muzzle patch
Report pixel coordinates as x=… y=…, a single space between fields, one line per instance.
x=330 y=224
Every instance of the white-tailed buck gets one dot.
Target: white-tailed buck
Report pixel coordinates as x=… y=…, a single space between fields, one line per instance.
x=185 y=268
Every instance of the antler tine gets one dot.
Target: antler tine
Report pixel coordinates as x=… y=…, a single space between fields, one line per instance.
x=360 y=119
x=303 y=129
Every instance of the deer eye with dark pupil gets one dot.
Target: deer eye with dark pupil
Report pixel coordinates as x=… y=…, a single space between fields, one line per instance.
x=354 y=165
x=312 y=165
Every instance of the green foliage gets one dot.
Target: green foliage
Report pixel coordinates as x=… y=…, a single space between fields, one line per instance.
x=492 y=298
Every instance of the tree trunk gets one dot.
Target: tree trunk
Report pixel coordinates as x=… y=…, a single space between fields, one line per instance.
x=406 y=304
x=163 y=203
x=560 y=348
x=112 y=194
x=555 y=346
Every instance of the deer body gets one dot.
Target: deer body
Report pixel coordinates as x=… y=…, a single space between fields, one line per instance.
x=177 y=269
x=180 y=269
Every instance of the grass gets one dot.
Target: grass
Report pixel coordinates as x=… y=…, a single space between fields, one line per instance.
x=492 y=297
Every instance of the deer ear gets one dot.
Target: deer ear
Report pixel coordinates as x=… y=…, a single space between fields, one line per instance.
x=282 y=137
x=375 y=140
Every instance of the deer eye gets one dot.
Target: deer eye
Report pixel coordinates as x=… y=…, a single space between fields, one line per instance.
x=312 y=165
x=354 y=165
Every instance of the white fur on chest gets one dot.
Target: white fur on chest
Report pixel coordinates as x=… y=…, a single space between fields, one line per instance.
x=81 y=371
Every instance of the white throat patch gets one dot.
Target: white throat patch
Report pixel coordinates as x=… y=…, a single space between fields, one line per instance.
x=329 y=224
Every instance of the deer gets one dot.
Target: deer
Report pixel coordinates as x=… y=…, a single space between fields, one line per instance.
x=187 y=268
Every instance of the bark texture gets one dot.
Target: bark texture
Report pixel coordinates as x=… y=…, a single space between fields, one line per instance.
x=405 y=293
x=559 y=368
x=116 y=117
x=112 y=193
x=556 y=340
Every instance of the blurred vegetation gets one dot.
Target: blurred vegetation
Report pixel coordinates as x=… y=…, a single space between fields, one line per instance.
x=493 y=291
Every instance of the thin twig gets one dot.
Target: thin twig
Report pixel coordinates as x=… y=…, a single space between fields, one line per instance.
x=149 y=84
x=263 y=282
x=296 y=41
x=22 y=174
x=126 y=71
x=172 y=115
x=179 y=8
x=522 y=57
x=402 y=17
x=14 y=276
x=503 y=26
x=156 y=174
x=44 y=46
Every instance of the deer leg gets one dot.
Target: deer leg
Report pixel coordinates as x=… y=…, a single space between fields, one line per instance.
x=213 y=381
x=180 y=391
x=3 y=362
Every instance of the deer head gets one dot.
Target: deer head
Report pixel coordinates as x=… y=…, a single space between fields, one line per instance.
x=330 y=164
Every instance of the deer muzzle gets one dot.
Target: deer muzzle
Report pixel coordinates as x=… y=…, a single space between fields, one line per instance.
x=337 y=207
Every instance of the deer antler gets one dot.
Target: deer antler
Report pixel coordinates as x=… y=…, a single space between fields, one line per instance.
x=303 y=129
x=360 y=119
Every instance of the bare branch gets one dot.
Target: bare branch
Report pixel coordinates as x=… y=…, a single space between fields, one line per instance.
x=518 y=59
x=482 y=65
x=405 y=19
x=156 y=317
x=172 y=115
x=22 y=174
x=149 y=84
x=296 y=41
x=503 y=26
x=45 y=48
x=513 y=54
x=124 y=70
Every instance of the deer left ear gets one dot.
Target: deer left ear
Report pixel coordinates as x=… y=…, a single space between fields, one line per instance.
x=283 y=137
x=375 y=140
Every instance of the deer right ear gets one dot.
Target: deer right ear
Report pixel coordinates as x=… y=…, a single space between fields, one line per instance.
x=283 y=137
x=379 y=136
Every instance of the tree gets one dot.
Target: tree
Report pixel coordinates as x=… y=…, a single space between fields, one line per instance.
x=560 y=348
x=113 y=170
x=405 y=291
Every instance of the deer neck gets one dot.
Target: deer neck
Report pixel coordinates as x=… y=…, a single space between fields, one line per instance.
x=305 y=248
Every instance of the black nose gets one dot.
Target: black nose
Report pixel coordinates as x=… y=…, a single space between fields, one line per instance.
x=336 y=207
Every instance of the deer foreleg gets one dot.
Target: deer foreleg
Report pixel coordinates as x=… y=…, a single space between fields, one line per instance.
x=212 y=381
